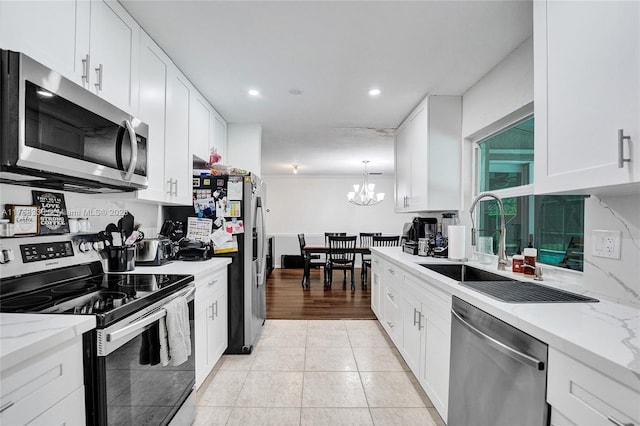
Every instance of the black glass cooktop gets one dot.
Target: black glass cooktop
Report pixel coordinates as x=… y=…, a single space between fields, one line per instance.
x=109 y=297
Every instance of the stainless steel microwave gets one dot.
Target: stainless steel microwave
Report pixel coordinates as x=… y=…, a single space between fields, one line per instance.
x=56 y=134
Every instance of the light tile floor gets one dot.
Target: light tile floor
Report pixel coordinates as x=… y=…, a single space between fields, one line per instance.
x=323 y=372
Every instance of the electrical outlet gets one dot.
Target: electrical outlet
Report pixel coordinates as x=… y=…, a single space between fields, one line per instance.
x=606 y=244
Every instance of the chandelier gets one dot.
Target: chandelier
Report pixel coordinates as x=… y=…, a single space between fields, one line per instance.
x=364 y=195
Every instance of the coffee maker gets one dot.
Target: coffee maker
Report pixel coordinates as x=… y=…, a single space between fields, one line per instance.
x=420 y=227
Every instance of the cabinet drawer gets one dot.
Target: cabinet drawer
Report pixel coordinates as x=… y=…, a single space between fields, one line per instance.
x=586 y=396
x=207 y=283
x=37 y=384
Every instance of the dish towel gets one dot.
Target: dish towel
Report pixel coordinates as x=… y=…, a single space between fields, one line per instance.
x=175 y=333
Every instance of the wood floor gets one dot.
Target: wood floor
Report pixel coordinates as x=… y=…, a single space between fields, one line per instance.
x=286 y=299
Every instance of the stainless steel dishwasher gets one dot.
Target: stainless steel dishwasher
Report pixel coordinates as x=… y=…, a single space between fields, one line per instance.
x=498 y=374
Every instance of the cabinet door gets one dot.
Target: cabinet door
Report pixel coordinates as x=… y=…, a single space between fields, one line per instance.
x=376 y=281
x=412 y=328
x=178 y=165
x=419 y=151
x=199 y=126
x=114 y=46
x=69 y=411
x=587 y=75
x=218 y=337
x=435 y=369
x=219 y=135
x=402 y=169
x=54 y=33
x=202 y=327
x=153 y=83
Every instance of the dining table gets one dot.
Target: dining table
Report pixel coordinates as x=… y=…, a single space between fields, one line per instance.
x=324 y=249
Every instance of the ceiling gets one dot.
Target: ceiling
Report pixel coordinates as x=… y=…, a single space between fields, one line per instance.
x=333 y=52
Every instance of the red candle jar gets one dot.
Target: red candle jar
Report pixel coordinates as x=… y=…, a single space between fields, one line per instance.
x=529 y=265
x=516 y=263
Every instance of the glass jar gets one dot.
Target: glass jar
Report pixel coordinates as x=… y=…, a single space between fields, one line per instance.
x=516 y=263
x=7 y=228
x=423 y=247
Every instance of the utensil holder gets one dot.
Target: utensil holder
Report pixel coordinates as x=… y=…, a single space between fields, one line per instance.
x=121 y=259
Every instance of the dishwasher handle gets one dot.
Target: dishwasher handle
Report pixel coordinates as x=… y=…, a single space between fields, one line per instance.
x=505 y=349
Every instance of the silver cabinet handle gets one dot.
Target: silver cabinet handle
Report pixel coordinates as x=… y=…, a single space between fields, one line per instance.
x=507 y=350
x=415 y=312
x=175 y=193
x=420 y=326
x=170 y=183
x=618 y=422
x=85 y=69
x=6 y=406
x=390 y=295
x=212 y=282
x=212 y=316
x=134 y=151
x=391 y=270
x=390 y=324
x=621 y=139
x=216 y=305
x=99 y=72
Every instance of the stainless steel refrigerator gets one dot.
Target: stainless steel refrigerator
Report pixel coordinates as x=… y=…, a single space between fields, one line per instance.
x=237 y=198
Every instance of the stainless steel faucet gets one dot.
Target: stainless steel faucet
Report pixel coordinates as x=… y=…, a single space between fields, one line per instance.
x=503 y=260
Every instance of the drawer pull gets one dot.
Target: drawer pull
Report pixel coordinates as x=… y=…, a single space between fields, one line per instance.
x=212 y=282
x=6 y=406
x=391 y=271
x=618 y=422
x=390 y=324
x=391 y=296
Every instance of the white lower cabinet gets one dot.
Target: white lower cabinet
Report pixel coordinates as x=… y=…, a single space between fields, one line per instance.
x=417 y=317
x=46 y=389
x=211 y=321
x=377 y=272
x=581 y=395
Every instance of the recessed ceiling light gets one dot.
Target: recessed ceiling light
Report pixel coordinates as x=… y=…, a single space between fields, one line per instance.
x=254 y=92
x=44 y=93
x=295 y=91
x=374 y=92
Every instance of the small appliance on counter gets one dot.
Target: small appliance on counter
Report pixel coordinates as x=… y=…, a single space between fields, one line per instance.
x=193 y=250
x=419 y=228
x=154 y=252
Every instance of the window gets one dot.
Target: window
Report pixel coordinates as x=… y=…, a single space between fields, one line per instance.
x=554 y=224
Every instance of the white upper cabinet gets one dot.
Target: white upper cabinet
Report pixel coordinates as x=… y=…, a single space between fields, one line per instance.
x=178 y=162
x=587 y=90
x=427 y=156
x=199 y=126
x=113 y=55
x=92 y=43
x=219 y=135
x=154 y=69
x=55 y=34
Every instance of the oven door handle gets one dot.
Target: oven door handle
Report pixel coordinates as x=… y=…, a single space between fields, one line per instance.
x=146 y=320
x=137 y=325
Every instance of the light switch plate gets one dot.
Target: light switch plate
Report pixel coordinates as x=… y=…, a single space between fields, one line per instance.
x=606 y=244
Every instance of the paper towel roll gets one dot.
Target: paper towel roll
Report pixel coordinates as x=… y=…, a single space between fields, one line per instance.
x=456 y=242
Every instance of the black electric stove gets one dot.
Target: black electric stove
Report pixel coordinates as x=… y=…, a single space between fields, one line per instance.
x=86 y=290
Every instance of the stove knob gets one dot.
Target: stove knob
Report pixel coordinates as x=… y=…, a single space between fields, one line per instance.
x=6 y=256
x=85 y=246
x=98 y=245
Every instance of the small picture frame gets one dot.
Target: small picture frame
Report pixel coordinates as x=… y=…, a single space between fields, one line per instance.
x=24 y=219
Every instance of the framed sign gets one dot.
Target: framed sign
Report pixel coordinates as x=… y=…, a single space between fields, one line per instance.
x=52 y=212
x=24 y=219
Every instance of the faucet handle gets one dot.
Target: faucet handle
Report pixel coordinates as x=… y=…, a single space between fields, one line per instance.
x=538 y=274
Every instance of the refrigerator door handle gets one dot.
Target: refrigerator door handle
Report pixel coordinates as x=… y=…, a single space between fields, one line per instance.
x=262 y=239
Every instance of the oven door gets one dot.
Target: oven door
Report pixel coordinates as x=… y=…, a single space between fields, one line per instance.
x=130 y=384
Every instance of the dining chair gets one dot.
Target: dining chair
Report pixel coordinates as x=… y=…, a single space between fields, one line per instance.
x=366 y=240
x=332 y=234
x=342 y=255
x=310 y=261
x=385 y=241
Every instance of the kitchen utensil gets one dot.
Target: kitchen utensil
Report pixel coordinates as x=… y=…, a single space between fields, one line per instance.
x=127 y=224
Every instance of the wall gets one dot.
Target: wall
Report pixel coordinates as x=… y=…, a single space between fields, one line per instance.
x=244 y=147
x=100 y=209
x=314 y=205
x=613 y=278
x=506 y=92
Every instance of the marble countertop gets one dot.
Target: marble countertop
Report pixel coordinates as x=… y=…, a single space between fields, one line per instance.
x=26 y=335
x=23 y=336
x=603 y=335
x=183 y=267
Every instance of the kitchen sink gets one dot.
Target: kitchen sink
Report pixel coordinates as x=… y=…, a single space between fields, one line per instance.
x=503 y=288
x=464 y=273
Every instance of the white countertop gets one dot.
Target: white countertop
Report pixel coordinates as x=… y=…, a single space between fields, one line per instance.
x=184 y=267
x=603 y=335
x=23 y=336
x=26 y=335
